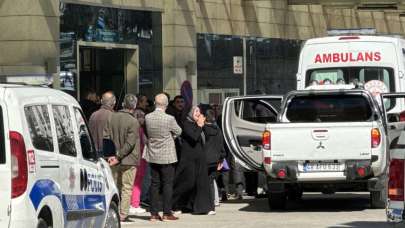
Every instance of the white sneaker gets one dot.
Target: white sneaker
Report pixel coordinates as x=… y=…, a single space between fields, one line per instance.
x=136 y=210
x=212 y=213
x=177 y=212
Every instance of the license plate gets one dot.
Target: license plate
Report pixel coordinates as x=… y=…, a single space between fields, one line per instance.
x=321 y=167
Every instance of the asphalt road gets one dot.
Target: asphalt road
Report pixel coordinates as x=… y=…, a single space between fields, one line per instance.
x=315 y=210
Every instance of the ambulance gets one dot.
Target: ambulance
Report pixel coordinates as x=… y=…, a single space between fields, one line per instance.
x=375 y=62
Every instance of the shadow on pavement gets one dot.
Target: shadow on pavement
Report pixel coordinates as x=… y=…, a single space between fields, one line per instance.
x=145 y=216
x=368 y=225
x=312 y=203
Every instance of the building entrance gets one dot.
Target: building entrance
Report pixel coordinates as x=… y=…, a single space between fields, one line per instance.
x=107 y=66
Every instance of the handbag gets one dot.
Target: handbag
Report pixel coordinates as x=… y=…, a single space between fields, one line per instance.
x=225 y=166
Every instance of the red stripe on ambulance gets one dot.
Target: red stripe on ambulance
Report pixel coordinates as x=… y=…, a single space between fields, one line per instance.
x=348 y=57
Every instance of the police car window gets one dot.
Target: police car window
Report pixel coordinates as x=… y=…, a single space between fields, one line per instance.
x=86 y=143
x=39 y=126
x=257 y=111
x=64 y=130
x=2 y=147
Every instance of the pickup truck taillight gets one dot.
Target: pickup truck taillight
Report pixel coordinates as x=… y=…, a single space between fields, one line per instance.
x=375 y=138
x=266 y=140
x=396 y=180
x=19 y=172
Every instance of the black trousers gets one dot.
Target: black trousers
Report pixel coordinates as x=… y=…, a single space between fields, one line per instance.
x=212 y=174
x=162 y=178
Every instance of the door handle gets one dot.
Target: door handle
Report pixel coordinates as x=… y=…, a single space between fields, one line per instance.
x=85 y=184
x=81 y=180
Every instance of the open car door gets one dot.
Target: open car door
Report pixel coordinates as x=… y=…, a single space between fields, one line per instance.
x=243 y=122
x=395 y=129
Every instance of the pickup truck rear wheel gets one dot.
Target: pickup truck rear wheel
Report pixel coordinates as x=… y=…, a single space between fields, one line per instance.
x=277 y=200
x=377 y=199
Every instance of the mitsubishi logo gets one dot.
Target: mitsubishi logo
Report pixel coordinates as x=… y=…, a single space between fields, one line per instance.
x=320 y=146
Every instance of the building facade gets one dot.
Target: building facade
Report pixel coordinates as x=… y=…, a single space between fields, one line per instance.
x=154 y=45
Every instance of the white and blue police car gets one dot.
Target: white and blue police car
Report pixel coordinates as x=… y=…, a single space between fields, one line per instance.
x=50 y=174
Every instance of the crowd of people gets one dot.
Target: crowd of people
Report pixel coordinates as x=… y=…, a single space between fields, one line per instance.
x=168 y=156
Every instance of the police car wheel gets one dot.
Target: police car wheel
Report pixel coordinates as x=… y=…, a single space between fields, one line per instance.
x=113 y=217
x=42 y=223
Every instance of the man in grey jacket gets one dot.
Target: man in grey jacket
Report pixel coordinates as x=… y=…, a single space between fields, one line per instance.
x=161 y=130
x=123 y=130
x=99 y=119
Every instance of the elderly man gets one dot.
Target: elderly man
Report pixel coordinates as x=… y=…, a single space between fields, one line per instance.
x=99 y=119
x=161 y=130
x=123 y=130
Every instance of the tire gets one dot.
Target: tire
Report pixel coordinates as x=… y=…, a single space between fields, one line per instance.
x=113 y=217
x=42 y=223
x=377 y=199
x=277 y=201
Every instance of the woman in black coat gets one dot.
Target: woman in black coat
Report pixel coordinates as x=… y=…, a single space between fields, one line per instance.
x=191 y=189
x=214 y=150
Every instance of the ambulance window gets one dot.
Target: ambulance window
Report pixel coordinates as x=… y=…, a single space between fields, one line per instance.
x=380 y=74
x=64 y=130
x=86 y=143
x=323 y=75
x=39 y=126
x=2 y=150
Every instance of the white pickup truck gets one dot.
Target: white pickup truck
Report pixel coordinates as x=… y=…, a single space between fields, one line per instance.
x=317 y=140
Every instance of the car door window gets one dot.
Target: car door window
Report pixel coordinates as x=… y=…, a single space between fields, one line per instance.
x=39 y=126
x=86 y=143
x=64 y=130
x=257 y=111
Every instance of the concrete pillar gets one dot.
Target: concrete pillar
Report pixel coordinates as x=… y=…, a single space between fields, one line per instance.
x=29 y=37
x=179 y=46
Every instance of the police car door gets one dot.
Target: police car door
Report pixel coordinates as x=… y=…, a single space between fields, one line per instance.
x=92 y=178
x=5 y=169
x=71 y=197
x=244 y=120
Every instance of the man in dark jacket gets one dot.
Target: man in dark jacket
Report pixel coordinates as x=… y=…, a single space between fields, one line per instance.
x=177 y=109
x=89 y=103
x=123 y=130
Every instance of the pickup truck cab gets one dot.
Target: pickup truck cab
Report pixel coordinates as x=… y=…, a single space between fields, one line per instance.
x=50 y=173
x=323 y=140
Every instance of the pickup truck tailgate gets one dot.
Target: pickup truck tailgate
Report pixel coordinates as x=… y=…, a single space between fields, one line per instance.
x=321 y=141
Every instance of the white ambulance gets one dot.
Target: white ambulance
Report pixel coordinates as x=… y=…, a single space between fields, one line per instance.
x=377 y=62
x=50 y=174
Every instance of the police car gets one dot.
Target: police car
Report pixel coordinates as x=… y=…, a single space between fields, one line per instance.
x=50 y=174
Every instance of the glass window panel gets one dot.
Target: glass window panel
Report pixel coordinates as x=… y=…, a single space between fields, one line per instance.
x=86 y=143
x=64 y=130
x=39 y=126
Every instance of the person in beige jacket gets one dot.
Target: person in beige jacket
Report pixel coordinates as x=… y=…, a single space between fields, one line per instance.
x=123 y=130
